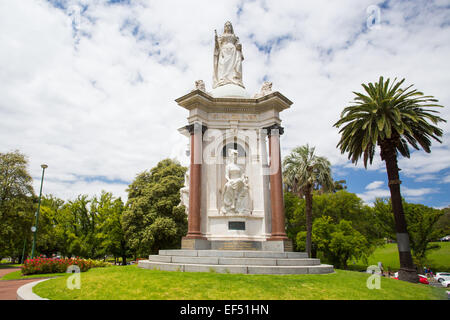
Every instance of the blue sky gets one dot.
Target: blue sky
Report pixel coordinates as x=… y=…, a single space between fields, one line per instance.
x=89 y=86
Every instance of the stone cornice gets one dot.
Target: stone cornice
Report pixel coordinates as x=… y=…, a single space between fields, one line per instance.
x=201 y=99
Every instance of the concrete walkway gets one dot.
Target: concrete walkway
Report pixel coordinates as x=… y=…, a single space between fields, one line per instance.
x=8 y=288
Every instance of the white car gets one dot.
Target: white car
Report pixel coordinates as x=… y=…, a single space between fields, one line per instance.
x=442 y=276
x=445 y=284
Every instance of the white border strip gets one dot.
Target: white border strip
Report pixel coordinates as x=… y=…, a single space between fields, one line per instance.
x=25 y=292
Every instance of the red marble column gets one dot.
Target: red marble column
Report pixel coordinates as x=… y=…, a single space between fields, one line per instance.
x=196 y=131
x=276 y=184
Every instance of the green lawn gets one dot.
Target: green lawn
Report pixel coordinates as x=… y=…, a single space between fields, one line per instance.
x=438 y=260
x=133 y=283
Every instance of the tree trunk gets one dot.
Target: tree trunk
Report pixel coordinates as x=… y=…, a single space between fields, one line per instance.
x=308 y=215
x=407 y=270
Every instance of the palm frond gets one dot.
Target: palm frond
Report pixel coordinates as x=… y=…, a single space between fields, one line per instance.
x=388 y=112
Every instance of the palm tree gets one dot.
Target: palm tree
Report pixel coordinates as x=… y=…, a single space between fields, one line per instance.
x=392 y=118
x=303 y=172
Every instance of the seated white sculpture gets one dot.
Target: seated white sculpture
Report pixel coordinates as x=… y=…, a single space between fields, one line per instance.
x=236 y=192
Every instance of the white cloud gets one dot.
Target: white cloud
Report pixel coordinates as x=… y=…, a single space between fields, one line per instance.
x=370 y=195
x=101 y=104
x=374 y=185
x=378 y=189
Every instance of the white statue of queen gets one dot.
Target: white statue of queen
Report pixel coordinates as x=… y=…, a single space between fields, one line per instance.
x=227 y=58
x=236 y=193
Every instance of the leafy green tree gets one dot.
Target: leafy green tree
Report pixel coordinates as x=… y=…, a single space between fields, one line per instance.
x=339 y=242
x=80 y=227
x=442 y=226
x=109 y=230
x=48 y=241
x=344 y=205
x=303 y=172
x=421 y=221
x=17 y=204
x=341 y=205
x=152 y=219
x=294 y=208
x=390 y=117
x=65 y=228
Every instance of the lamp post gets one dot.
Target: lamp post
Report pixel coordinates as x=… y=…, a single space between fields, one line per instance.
x=34 y=228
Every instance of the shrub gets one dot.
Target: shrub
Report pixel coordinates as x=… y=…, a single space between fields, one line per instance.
x=41 y=265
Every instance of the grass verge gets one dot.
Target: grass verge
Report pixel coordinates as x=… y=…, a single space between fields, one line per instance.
x=438 y=260
x=9 y=265
x=133 y=283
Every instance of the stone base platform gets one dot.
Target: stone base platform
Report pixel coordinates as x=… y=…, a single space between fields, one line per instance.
x=227 y=261
x=236 y=245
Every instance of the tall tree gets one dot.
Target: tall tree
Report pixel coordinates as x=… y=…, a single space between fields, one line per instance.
x=17 y=204
x=303 y=172
x=442 y=226
x=339 y=241
x=392 y=118
x=340 y=205
x=48 y=240
x=109 y=230
x=421 y=221
x=151 y=219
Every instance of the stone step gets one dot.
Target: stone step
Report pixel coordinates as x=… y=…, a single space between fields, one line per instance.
x=234 y=254
x=243 y=269
x=235 y=261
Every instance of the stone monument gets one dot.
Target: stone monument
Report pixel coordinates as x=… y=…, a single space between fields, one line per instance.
x=234 y=193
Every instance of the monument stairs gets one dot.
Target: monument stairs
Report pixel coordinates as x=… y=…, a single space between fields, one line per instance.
x=229 y=261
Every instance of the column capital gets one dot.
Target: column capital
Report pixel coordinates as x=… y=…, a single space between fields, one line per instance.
x=275 y=126
x=193 y=127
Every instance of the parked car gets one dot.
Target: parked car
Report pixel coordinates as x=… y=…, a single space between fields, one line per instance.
x=445 y=284
x=442 y=276
x=423 y=279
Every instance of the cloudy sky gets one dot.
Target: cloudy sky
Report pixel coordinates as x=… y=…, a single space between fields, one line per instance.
x=88 y=87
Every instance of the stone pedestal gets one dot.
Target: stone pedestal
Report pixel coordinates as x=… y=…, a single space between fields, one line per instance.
x=278 y=245
x=195 y=244
x=236 y=245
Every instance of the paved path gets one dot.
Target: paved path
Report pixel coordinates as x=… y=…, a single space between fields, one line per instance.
x=8 y=288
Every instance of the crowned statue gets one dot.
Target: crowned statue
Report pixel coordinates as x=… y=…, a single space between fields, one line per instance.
x=236 y=192
x=227 y=58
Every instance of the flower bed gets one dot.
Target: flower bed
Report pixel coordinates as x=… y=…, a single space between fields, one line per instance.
x=53 y=265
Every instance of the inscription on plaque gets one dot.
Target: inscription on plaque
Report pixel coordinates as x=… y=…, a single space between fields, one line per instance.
x=236 y=225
